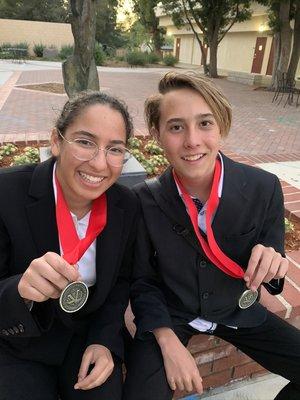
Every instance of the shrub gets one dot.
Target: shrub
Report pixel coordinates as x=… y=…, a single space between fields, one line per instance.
x=65 y=51
x=99 y=54
x=153 y=58
x=136 y=58
x=153 y=148
x=170 y=60
x=32 y=153
x=7 y=149
x=39 y=49
x=134 y=143
x=289 y=226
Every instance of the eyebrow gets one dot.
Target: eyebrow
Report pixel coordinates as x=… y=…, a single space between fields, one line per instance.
x=182 y=119
x=94 y=137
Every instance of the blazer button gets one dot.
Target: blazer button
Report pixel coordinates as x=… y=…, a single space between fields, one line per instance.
x=5 y=332
x=16 y=329
x=21 y=328
x=203 y=264
x=205 y=296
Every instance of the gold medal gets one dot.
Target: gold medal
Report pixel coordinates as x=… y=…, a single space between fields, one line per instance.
x=73 y=297
x=248 y=298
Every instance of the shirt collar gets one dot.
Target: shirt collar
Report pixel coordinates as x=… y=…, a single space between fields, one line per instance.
x=220 y=186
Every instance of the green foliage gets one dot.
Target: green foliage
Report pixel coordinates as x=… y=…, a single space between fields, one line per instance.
x=158 y=160
x=8 y=149
x=107 y=31
x=145 y=9
x=152 y=147
x=134 y=143
x=38 y=49
x=138 y=155
x=99 y=54
x=35 y=10
x=30 y=155
x=66 y=51
x=153 y=58
x=170 y=60
x=289 y=226
x=136 y=58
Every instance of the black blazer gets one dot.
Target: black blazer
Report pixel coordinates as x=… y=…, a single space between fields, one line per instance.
x=173 y=281
x=28 y=230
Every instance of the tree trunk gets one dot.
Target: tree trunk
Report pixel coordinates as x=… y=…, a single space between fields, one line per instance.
x=213 y=63
x=296 y=46
x=277 y=51
x=285 y=36
x=79 y=70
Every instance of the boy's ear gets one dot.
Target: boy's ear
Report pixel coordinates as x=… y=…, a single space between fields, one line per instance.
x=54 y=143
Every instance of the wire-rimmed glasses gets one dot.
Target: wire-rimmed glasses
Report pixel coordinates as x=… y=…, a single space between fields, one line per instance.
x=86 y=150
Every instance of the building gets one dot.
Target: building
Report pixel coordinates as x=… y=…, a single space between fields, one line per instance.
x=245 y=52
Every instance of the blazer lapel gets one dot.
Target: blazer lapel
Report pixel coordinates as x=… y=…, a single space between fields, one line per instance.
x=41 y=212
x=234 y=197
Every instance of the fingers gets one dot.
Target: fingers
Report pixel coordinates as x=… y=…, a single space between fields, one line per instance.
x=188 y=382
x=61 y=266
x=264 y=264
x=46 y=277
x=97 y=377
x=104 y=365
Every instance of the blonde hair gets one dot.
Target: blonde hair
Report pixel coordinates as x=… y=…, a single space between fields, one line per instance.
x=212 y=95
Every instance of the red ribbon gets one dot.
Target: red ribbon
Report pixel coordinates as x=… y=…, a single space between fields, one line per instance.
x=210 y=247
x=73 y=247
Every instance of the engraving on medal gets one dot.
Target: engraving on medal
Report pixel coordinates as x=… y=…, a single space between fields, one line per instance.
x=248 y=298
x=74 y=297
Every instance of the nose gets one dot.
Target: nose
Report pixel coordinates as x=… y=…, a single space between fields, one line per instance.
x=99 y=161
x=192 y=137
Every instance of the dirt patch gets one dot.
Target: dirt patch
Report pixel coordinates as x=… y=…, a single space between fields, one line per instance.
x=53 y=87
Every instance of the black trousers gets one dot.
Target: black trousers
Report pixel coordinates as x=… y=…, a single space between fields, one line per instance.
x=30 y=380
x=275 y=345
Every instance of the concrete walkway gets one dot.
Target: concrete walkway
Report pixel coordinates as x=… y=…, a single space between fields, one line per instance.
x=265 y=388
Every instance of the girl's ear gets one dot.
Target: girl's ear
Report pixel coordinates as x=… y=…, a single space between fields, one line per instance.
x=54 y=143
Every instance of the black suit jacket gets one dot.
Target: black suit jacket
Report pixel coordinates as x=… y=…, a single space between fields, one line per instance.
x=173 y=281
x=27 y=231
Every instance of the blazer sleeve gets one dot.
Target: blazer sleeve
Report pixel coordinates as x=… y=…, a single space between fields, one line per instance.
x=106 y=326
x=16 y=320
x=272 y=234
x=147 y=300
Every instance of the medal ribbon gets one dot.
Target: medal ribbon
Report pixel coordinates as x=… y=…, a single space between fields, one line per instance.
x=73 y=247
x=210 y=247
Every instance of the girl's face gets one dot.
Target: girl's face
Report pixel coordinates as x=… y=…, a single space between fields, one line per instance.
x=84 y=181
x=189 y=135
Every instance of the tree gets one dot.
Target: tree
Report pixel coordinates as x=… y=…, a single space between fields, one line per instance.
x=280 y=14
x=35 y=10
x=295 y=57
x=107 y=32
x=145 y=9
x=214 y=19
x=79 y=70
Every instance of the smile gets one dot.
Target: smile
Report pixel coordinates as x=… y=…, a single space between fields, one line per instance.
x=193 y=157
x=91 y=178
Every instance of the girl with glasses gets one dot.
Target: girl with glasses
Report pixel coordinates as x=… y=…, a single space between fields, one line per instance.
x=66 y=236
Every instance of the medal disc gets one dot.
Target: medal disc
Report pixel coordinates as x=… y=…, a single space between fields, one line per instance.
x=74 y=297
x=248 y=298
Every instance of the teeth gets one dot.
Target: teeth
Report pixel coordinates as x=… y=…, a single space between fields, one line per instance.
x=90 y=178
x=193 y=158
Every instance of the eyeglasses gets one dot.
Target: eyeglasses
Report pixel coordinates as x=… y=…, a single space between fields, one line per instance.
x=87 y=150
